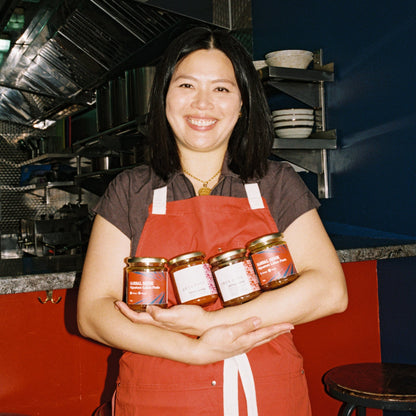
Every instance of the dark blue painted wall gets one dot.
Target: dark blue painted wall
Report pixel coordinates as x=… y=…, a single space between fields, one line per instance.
x=397 y=292
x=372 y=104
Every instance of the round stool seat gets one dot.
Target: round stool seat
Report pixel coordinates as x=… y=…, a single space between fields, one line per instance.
x=373 y=385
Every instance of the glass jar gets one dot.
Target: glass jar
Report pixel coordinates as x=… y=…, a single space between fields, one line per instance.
x=192 y=279
x=236 y=280
x=272 y=261
x=146 y=282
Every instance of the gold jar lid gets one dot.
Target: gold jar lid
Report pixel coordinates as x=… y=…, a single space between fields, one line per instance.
x=147 y=260
x=263 y=240
x=186 y=256
x=227 y=256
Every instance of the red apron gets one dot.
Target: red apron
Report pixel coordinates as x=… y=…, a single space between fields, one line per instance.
x=270 y=382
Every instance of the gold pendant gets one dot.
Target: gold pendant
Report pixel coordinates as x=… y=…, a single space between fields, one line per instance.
x=204 y=191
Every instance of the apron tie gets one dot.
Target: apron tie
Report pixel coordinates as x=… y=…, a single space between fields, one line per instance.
x=232 y=367
x=160 y=198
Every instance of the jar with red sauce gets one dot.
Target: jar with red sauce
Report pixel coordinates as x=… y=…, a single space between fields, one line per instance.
x=192 y=279
x=272 y=261
x=146 y=282
x=236 y=280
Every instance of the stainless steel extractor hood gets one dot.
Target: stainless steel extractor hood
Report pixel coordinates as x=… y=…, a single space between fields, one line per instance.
x=62 y=50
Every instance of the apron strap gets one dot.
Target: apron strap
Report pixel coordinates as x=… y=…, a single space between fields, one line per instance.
x=159 y=201
x=232 y=367
x=160 y=197
x=254 y=196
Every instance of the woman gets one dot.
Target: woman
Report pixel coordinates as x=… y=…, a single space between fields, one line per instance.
x=209 y=128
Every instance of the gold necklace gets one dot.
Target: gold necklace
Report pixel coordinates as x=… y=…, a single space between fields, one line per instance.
x=204 y=190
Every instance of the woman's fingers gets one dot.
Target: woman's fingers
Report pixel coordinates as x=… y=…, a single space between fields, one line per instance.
x=226 y=341
x=136 y=317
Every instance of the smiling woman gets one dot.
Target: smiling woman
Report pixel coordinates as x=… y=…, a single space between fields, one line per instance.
x=203 y=104
x=209 y=123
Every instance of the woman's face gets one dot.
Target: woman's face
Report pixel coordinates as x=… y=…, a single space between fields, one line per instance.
x=203 y=101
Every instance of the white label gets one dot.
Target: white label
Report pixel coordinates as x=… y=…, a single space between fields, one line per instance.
x=234 y=281
x=194 y=282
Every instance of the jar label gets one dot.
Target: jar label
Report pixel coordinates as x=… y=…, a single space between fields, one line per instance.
x=194 y=282
x=236 y=280
x=144 y=288
x=273 y=263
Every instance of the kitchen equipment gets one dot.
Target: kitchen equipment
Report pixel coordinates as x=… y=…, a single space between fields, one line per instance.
x=290 y=58
x=105 y=162
x=119 y=101
x=104 y=114
x=65 y=233
x=140 y=85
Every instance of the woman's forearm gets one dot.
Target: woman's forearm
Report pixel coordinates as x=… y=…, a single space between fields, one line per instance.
x=320 y=289
x=107 y=325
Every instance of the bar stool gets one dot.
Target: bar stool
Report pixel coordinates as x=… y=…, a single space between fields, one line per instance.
x=372 y=385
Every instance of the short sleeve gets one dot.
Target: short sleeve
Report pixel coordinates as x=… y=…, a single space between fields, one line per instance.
x=113 y=205
x=286 y=194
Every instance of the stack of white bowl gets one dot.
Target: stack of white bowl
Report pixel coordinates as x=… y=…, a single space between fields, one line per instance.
x=293 y=123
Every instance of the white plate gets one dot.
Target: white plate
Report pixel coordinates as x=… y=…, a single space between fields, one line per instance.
x=293 y=123
x=294 y=133
x=289 y=117
x=293 y=111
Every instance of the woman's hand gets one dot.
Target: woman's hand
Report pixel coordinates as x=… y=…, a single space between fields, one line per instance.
x=186 y=319
x=225 y=341
x=215 y=343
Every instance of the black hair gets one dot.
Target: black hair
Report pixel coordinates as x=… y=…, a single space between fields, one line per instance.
x=252 y=138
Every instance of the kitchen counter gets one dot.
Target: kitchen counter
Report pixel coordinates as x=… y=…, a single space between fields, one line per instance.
x=353 y=248
x=31 y=274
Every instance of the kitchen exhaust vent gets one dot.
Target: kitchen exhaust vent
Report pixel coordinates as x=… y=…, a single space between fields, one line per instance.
x=69 y=48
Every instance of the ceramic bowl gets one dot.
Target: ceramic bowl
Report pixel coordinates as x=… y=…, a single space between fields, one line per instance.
x=290 y=58
x=294 y=132
x=288 y=117
x=293 y=123
x=292 y=111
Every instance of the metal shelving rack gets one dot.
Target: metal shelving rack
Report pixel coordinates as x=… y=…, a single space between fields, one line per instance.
x=307 y=86
x=69 y=186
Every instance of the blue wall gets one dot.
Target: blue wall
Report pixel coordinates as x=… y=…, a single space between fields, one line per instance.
x=396 y=292
x=372 y=104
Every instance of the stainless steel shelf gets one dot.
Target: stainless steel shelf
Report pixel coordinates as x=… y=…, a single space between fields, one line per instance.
x=318 y=140
x=307 y=86
x=46 y=157
x=273 y=73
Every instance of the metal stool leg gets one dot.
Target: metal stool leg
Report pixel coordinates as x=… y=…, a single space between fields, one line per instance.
x=346 y=409
x=361 y=411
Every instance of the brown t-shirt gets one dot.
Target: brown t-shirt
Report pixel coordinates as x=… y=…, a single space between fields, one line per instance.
x=126 y=201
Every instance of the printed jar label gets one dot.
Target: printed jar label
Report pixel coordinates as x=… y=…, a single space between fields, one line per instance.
x=237 y=280
x=194 y=282
x=144 y=288
x=273 y=263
